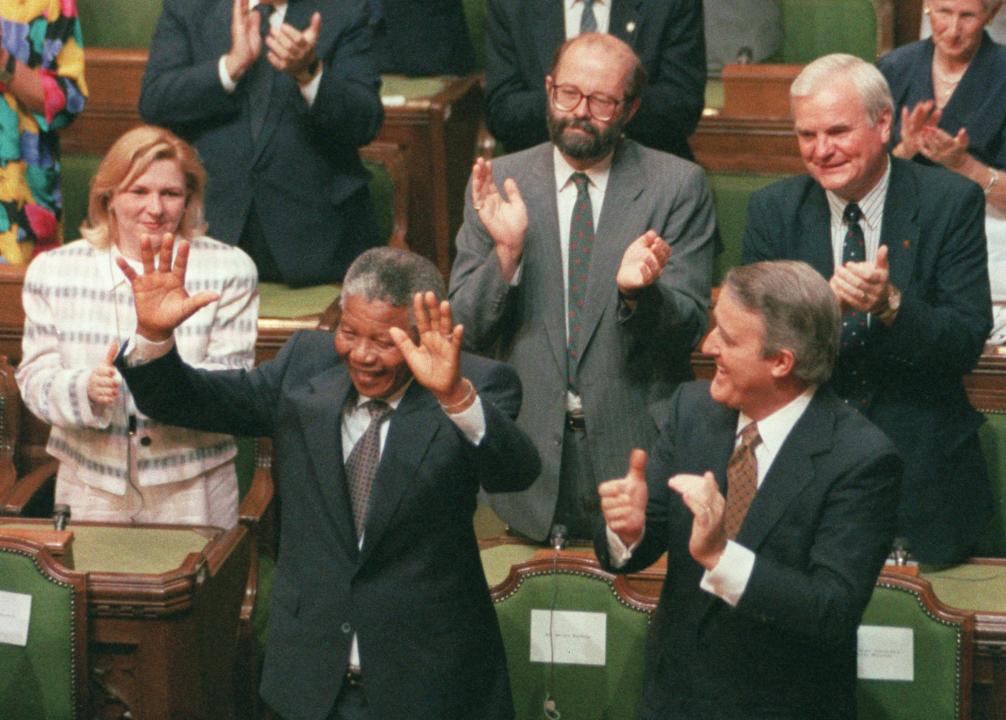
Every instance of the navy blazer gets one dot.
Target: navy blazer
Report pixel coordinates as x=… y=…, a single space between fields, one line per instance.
x=977 y=104
x=820 y=527
x=415 y=595
x=667 y=35
x=303 y=172
x=933 y=227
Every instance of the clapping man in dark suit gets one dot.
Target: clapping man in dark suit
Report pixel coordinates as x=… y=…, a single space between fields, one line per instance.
x=904 y=248
x=383 y=436
x=585 y=262
x=775 y=503
x=276 y=96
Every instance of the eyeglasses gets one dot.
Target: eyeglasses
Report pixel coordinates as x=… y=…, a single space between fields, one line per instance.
x=600 y=107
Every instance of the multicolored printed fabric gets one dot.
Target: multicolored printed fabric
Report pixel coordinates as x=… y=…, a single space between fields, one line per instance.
x=42 y=34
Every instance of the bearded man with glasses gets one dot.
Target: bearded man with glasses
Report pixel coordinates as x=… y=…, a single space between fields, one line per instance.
x=585 y=262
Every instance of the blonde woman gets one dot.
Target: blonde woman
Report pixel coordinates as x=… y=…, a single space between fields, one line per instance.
x=116 y=464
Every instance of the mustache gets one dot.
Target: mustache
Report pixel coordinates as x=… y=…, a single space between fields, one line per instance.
x=580 y=124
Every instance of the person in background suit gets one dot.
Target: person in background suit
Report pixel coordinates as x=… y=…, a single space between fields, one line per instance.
x=667 y=35
x=421 y=37
x=775 y=503
x=599 y=323
x=380 y=607
x=904 y=249
x=277 y=122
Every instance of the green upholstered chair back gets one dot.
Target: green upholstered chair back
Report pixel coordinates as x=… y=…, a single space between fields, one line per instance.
x=992 y=436
x=47 y=678
x=75 y=182
x=583 y=692
x=812 y=28
x=730 y=198
x=118 y=23
x=941 y=637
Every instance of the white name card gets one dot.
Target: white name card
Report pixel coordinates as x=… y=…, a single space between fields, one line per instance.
x=15 y=612
x=885 y=653
x=568 y=637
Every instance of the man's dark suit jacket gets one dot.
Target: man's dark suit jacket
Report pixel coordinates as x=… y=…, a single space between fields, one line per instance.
x=820 y=526
x=416 y=595
x=303 y=172
x=667 y=35
x=933 y=228
x=424 y=37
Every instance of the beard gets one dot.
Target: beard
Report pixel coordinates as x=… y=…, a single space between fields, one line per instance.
x=593 y=146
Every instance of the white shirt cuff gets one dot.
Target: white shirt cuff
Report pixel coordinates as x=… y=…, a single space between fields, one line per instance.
x=225 y=79
x=729 y=578
x=471 y=421
x=141 y=351
x=618 y=553
x=310 y=91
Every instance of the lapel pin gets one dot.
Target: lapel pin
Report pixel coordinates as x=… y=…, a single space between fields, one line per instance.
x=905 y=243
x=630 y=26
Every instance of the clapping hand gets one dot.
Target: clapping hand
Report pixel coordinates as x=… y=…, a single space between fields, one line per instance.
x=162 y=302
x=642 y=263
x=914 y=123
x=103 y=383
x=246 y=39
x=702 y=496
x=862 y=286
x=941 y=147
x=505 y=219
x=623 y=500
x=436 y=361
x=291 y=50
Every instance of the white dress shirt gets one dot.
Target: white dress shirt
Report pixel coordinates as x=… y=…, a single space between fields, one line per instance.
x=573 y=12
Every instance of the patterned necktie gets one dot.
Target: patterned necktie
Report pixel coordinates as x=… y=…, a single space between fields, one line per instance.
x=260 y=82
x=588 y=23
x=742 y=480
x=850 y=377
x=361 y=465
x=581 y=241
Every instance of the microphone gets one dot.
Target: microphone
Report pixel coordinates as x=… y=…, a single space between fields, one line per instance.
x=557 y=539
x=60 y=516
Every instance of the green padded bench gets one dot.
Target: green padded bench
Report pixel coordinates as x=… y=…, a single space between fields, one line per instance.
x=730 y=198
x=812 y=28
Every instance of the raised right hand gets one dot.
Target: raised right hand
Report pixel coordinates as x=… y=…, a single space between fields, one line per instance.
x=162 y=302
x=504 y=219
x=623 y=501
x=246 y=39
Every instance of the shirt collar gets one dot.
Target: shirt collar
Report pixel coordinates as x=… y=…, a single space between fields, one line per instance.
x=393 y=401
x=597 y=173
x=572 y=3
x=871 y=205
x=775 y=428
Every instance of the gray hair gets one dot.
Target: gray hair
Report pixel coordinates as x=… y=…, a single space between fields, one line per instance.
x=392 y=275
x=869 y=82
x=800 y=311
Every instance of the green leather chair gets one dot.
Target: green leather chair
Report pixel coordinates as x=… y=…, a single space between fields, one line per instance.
x=992 y=436
x=580 y=692
x=47 y=678
x=118 y=23
x=812 y=28
x=942 y=643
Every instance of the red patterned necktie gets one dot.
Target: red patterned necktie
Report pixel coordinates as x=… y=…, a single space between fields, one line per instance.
x=742 y=480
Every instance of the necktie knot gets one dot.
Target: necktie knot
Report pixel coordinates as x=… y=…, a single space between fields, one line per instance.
x=378 y=409
x=852 y=214
x=749 y=435
x=265 y=11
x=588 y=21
x=581 y=181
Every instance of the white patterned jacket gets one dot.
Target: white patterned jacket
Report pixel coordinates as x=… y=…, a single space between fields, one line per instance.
x=77 y=302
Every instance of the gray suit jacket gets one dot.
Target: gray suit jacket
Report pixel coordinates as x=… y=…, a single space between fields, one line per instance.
x=631 y=362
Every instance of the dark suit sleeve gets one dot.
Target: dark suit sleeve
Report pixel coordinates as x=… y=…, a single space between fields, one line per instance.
x=672 y=101
x=940 y=330
x=177 y=89
x=506 y=458
x=515 y=104
x=348 y=102
x=757 y=243
x=825 y=600
x=237 y=402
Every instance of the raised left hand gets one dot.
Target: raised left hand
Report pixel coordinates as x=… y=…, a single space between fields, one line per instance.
x=292 y=51
x=701 y=495
x=435 y=362
x=642 y=263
